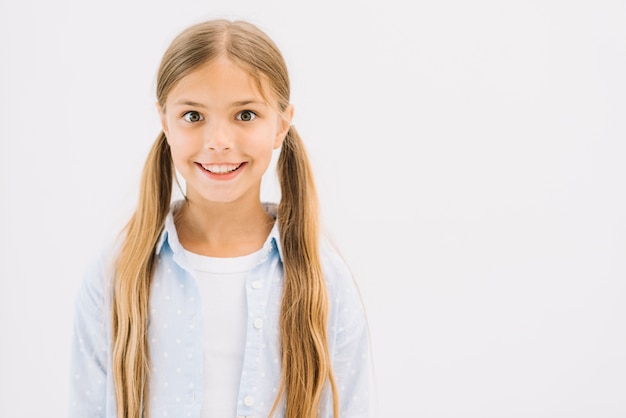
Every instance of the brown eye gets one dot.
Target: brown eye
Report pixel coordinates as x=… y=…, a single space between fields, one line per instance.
x=246 y=115
x=192 y=117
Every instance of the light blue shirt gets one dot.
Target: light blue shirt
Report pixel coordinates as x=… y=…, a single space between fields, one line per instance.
x=175 y=336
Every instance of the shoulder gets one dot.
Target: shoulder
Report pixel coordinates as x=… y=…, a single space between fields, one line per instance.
x=335 y=266
x=97 y=278
x=343 y=292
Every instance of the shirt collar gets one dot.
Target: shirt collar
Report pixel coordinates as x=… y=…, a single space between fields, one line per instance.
x=170 y=235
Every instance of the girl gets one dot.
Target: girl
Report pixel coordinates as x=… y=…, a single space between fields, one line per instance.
x=221 y=305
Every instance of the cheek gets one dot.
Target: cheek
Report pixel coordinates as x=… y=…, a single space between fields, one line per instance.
x=266 y=144
x=181 y=147
x=182 y=138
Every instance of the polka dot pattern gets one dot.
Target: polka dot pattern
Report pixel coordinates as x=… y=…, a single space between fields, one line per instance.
x=175 y=337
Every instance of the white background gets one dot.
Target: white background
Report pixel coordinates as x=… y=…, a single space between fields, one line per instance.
x=470 y=160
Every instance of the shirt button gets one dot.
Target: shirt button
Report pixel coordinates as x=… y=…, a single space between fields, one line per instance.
x=249 y=401
x=258 y=323
x=257 y=284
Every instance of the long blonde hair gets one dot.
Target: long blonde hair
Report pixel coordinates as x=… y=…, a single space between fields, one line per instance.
x=306 y=365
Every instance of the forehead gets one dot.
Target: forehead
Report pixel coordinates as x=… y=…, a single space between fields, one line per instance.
x=221 y=79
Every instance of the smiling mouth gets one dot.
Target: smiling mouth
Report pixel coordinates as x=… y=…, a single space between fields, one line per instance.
x=220 y=168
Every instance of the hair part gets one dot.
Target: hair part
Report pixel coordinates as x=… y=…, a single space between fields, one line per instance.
x=306 y=370
x=241 y=42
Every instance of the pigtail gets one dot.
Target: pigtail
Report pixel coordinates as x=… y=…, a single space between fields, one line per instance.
x=306 y=364
x=131 y=287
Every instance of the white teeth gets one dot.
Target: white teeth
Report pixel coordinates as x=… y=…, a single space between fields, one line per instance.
x=220 y=168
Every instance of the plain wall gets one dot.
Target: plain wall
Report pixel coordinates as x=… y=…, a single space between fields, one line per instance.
x=469 y=156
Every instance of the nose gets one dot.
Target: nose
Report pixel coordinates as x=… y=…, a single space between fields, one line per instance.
x=217 y=136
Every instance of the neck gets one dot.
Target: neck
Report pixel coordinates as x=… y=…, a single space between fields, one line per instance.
x=223 y=229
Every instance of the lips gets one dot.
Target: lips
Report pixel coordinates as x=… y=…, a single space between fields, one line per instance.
x=221 y=168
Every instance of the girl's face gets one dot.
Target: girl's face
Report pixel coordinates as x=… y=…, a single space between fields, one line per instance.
x=222 y=132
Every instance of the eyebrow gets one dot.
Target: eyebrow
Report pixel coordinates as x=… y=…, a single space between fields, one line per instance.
x=238 y=103
x=189 y=103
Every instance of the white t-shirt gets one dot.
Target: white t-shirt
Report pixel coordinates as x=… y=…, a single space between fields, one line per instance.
x=222 y=286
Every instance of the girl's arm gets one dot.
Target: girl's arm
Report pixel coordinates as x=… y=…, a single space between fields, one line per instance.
x=353 y=370
x=89 y=349
x=349 y=341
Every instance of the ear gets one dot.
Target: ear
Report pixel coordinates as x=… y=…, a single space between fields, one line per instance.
x=162 y=118
x=284 y=123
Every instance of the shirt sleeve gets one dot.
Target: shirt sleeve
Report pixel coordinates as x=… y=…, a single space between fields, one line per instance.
x=89 y=348
x=350 y=343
